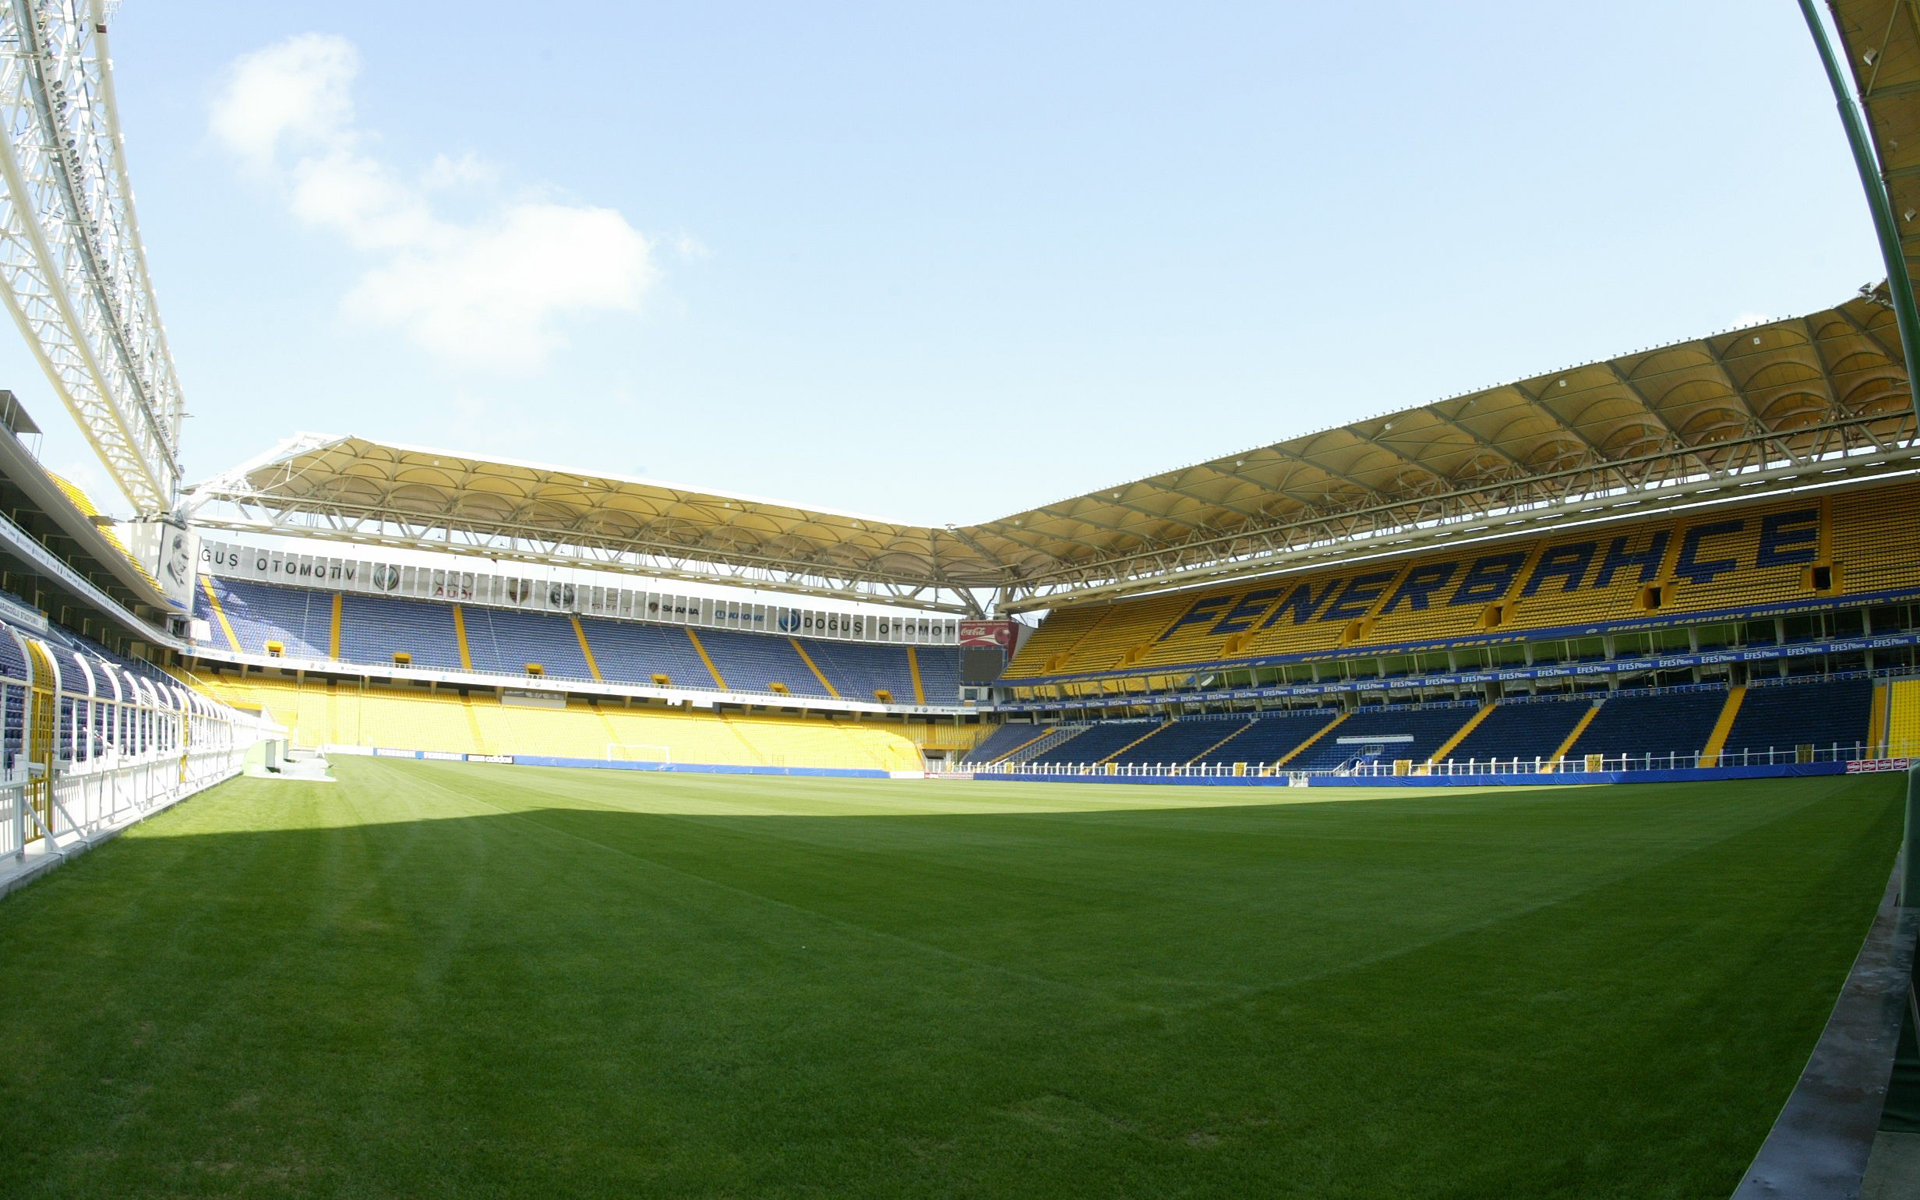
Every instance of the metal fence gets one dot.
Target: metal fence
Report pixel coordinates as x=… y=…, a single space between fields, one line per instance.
x=88 y=745
x=1837 y=752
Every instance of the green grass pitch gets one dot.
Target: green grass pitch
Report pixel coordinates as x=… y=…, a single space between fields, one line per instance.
x=443 y=980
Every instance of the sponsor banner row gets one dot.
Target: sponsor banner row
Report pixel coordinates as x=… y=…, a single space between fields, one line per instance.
x=1621 y=666
x=226 y=560
x=1868 y=766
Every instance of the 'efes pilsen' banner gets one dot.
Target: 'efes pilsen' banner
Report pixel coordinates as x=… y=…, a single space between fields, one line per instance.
x=229 y=561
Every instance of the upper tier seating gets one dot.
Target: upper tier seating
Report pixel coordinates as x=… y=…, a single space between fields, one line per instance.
x=374 y=628
x=504 y=640
x=756 y=661
x=1523 y=729
x=1729 y=558
x=858 y=670
x=300 y=619
x=1783 y=716
x=1656 y=723
x=1428 y=729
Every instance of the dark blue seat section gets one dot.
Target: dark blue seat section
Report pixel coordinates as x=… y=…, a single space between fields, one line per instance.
x=300 y=619
x=501 y=639
x=1271 y=737
x=1653 y=723
x=373 y=627
x=1004 y=741
x=1428 y=727
x=1096 y=742
x=1781 y=716
x=858 y=669
x=1175 y=744
x=939 y=673
x=634 y=652
x=752 y=661
x=1525 y=729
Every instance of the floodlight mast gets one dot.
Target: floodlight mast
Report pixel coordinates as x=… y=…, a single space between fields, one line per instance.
x=1874 y=183
x=73 y=271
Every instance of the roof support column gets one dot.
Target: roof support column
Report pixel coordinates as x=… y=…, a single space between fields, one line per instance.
x=1899 y=284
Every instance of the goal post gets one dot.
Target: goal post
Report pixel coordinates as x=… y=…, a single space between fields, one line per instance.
x=639 y=752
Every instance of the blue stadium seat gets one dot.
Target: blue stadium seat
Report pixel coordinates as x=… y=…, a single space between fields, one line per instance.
x=1428 y=729
x=754 y=661
x=1523 y=729
x=300 y=619
x=373 y=627
x=1782 y=716
x=859 y=669
x=505 y=640
x=1096 y=742
x=1180 y=741
x=634 y=652
x=1659 y=724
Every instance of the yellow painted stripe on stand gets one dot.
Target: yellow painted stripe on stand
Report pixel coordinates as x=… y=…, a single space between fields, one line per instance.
x=1877 y=721
x=1717 y=740
x=220 y=614
x=808 y=659
x=333 y=634
x=1297 y=750
x=1460 y=735
x=1579 y=727
x=586 y=651
x=913 y=668
x=460 y=636
x=473 y=727
x=702 y=652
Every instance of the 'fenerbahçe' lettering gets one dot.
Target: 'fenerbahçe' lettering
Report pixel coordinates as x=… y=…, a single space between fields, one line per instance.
x=1785 y=538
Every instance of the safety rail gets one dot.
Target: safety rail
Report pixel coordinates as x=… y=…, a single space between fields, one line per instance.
x=87 y=747
x=1611 y=763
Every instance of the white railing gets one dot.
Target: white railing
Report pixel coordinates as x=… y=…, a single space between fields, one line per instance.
x=1631 y=763
x=117 y=758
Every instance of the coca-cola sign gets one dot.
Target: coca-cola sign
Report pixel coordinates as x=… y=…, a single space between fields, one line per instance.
x=987 y=633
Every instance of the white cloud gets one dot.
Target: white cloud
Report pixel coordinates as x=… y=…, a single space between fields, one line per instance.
x=484 y=292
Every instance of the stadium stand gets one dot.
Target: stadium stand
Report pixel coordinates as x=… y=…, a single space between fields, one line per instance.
x=1755 y=557
x=1652 y=723
x=1095 y=743
x=347 y=713
x=1785 y=716
x=1270 y=739
x=373 y=628
x=1387 y=734
x=1178 y=742
x=1004 y=740
x=1520 y=729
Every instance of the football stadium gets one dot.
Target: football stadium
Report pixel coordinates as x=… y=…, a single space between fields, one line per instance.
x=1504 y=795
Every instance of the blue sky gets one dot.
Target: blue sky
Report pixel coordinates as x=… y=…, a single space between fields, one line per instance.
x=943 y=262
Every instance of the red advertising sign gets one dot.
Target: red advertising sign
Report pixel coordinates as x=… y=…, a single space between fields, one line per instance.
x=988 y=633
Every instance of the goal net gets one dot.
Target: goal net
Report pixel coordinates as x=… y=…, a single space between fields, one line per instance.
x=637 y=752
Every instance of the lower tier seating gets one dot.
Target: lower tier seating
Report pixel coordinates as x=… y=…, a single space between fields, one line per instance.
x=1655 y=723
x=1179 y=742
x=1095 y=742
x=1383 y=735
x=1784 y=716
x=414 y=719
x=1521 y=729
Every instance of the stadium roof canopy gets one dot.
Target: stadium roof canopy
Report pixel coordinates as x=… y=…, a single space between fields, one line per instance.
x=1823 y=395
x=1882 y=43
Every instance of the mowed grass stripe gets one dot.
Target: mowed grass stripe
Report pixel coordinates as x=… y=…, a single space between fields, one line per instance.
x=436 y=980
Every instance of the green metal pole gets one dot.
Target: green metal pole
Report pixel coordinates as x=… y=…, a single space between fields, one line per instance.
x=1910 y=844
x=1899 y=284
